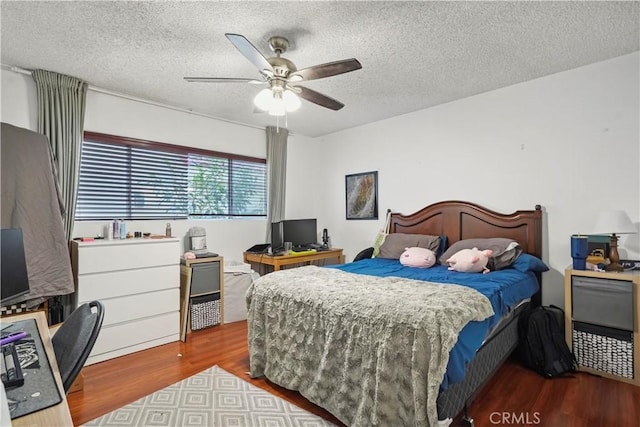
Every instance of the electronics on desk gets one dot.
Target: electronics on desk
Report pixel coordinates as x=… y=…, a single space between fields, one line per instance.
x=261 y=248
x=302 y=233
x=325 y=239
x=11 y=372
x=15 y=280
x=277 y=239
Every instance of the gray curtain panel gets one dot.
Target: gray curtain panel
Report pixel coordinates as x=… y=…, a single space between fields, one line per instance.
x=61 y=108
x=277 y=174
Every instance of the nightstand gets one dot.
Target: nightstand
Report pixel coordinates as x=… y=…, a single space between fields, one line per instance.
x=602 y=322
x=201 y=294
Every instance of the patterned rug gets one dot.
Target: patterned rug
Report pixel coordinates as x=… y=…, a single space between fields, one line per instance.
x=213 y=398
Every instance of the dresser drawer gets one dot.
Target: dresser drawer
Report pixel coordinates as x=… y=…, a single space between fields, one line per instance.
x=129 y=282
x=123 y=335
x=603 y=302
x=133 y=307
x=99 y=258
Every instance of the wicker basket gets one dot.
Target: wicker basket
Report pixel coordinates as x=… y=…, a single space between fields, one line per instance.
x=205 y=311
x=604 y=349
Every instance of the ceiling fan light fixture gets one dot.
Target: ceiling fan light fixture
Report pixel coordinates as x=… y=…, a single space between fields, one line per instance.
x=263 y=99
x=277 y=103
x=291 y=101
x=277 y=110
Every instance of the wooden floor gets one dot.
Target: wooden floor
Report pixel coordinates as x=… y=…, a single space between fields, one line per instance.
x=515 y=396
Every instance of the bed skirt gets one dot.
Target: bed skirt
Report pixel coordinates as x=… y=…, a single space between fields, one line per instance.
x=487 y=361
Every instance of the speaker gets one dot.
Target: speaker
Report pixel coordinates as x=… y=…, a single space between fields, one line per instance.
x=325 y=237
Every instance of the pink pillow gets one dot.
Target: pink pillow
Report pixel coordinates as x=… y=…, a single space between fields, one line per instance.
x=470 y=260
x=418 y=257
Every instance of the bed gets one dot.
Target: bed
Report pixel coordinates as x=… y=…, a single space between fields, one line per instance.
x=377 y=348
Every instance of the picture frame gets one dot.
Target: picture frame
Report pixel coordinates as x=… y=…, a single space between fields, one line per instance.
x=361 y=195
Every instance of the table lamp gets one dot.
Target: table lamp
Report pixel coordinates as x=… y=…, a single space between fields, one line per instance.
x=614 y=222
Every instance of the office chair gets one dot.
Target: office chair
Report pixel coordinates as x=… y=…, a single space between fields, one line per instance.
x=74 y=340
x=364 y=254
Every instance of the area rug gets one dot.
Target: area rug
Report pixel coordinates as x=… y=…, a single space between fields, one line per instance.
x=213 y=398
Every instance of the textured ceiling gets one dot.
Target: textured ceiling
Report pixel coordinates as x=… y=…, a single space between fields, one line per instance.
x=414 y=54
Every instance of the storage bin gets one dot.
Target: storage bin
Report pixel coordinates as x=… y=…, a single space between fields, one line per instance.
x=237 y=279
x=603 y=302
x=205 y=277
x=604 y=349
x=205 y=311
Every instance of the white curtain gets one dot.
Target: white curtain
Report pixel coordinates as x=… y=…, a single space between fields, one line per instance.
x=277 y=174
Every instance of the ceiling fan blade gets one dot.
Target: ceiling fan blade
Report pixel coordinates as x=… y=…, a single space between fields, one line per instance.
x=318 y=98
x=222 y=80
x=327 y=70
x=249 y=51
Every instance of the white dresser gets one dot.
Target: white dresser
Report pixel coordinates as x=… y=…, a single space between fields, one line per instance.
x=138 y=281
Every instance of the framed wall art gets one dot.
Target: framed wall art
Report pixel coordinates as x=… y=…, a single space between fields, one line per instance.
x=362 y=195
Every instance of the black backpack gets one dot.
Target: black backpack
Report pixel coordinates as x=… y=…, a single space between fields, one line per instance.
x=542 y=345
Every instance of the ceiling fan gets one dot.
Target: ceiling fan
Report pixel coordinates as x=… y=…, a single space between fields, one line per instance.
x=282 y=77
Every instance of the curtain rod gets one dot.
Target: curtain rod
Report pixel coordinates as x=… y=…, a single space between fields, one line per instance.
x=19 y=70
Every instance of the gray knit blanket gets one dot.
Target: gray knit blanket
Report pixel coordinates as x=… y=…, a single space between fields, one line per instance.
x=370 y=350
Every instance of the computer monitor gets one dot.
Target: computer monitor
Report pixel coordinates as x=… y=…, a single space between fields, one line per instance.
x=300 y=232
x=15 y=281
x=277 y=239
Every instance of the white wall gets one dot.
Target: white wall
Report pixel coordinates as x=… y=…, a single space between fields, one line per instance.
x=18 y=94
x=569 y=142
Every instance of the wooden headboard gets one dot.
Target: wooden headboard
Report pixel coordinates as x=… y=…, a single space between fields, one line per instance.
x=464 y=220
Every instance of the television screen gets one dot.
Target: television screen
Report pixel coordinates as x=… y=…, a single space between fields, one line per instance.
x=15 y=282
x=300 y=232
x=277 y=241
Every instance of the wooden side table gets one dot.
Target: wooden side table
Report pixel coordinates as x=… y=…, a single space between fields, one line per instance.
x=212 y=284
x=602 y=322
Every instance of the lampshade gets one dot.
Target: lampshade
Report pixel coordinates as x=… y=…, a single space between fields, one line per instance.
x=614 y=222
x=277 y=103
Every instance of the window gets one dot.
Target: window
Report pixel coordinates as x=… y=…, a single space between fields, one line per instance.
x=132 y=179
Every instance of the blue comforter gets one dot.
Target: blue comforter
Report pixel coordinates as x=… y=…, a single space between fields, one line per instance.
x=504 y=289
